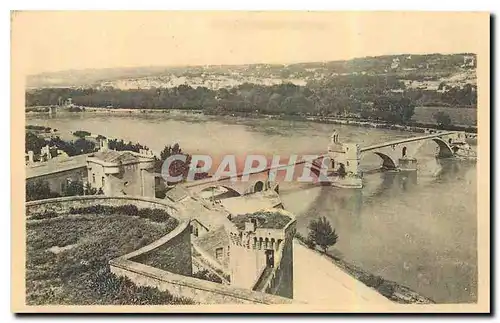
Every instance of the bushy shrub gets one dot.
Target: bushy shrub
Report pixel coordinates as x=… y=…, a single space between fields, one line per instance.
x=93 y=209
x=44 y=215
x=128 y=209
x=307 y=241
x=206 y=275
x=386 y=289
x=81 y=133
x=74 y=188
x=155 y=215
x=310 y=243
x=373 y=281
x=39 y=190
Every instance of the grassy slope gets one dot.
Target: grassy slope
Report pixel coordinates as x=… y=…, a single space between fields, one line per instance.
x=81 y=275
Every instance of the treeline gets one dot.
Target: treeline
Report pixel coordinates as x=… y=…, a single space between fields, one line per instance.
x=38 y=128
x=451 y=97
x=79 y=146
x=120 y=145
x=347 y=94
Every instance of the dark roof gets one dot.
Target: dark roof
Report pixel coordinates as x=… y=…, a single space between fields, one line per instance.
x=56 y=165
x=113 y=156
x=176 y=194
x=265 y=220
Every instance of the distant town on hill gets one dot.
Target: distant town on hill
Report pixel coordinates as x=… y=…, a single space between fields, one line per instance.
x=424 y=70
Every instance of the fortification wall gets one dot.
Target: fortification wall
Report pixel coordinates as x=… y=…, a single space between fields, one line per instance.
x=204 y=292
x=63 y=204
x=171 y=254
x=280 y=279
x=283 y=284
x=58 y=180
x=174 y=255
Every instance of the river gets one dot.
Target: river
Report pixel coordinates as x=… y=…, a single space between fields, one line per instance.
x=418 y=229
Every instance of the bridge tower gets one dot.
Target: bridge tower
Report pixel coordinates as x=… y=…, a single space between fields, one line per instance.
x=344 y=157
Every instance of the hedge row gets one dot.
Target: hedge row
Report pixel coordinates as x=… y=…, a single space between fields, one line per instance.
x=155 y=215
x=44 y=215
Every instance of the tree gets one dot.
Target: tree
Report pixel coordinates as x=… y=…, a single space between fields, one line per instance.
x=89 y=190
x=442 y=119
x=394 y=109
x=74 y=188
x=82 y=146
x=34 y=143
x=177 y=167
x=39 y=190
x=322 y=234
x=341 y=171
x=81 y=133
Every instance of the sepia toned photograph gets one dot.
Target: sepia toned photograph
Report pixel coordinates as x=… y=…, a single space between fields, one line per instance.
x=250 y=161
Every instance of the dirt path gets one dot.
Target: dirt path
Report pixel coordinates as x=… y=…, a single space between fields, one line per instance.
x=318 y=281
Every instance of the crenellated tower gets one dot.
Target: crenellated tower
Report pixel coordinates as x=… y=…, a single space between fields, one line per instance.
x=261 y=251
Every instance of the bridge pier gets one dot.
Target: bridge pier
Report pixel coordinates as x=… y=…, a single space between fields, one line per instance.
x=407 y=164
x=344 y=159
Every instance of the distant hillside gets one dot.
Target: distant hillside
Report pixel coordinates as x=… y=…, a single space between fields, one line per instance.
x=404 y=66
x=87 y=77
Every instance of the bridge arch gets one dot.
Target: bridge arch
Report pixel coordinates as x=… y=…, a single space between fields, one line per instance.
x=258 y=186
x=387 y=161
x=230 y=190
x=445 y=150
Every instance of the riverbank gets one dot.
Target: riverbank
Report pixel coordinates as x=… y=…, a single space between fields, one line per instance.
x=416 y=127
x=389 y=289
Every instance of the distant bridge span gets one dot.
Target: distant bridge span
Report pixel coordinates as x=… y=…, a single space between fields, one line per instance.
x=445 y=151
x=390 y=157
x=402 y=141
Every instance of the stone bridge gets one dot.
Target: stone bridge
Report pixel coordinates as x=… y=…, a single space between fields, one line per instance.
x=400 y=153
x=235 y=185
x=343 y=158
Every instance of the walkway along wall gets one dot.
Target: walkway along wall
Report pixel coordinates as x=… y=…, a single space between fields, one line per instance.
x=173 y=274
x=279 y=280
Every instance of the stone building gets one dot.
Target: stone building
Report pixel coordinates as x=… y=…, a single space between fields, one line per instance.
x=122 y=172
x=344 y=156
x=58 y=172
x=261 y=252
x=248 y=238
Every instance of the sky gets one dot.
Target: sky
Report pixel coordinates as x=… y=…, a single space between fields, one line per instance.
x=55 y=41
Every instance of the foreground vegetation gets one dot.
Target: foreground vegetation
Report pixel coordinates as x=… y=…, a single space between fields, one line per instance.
x=67 y=260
